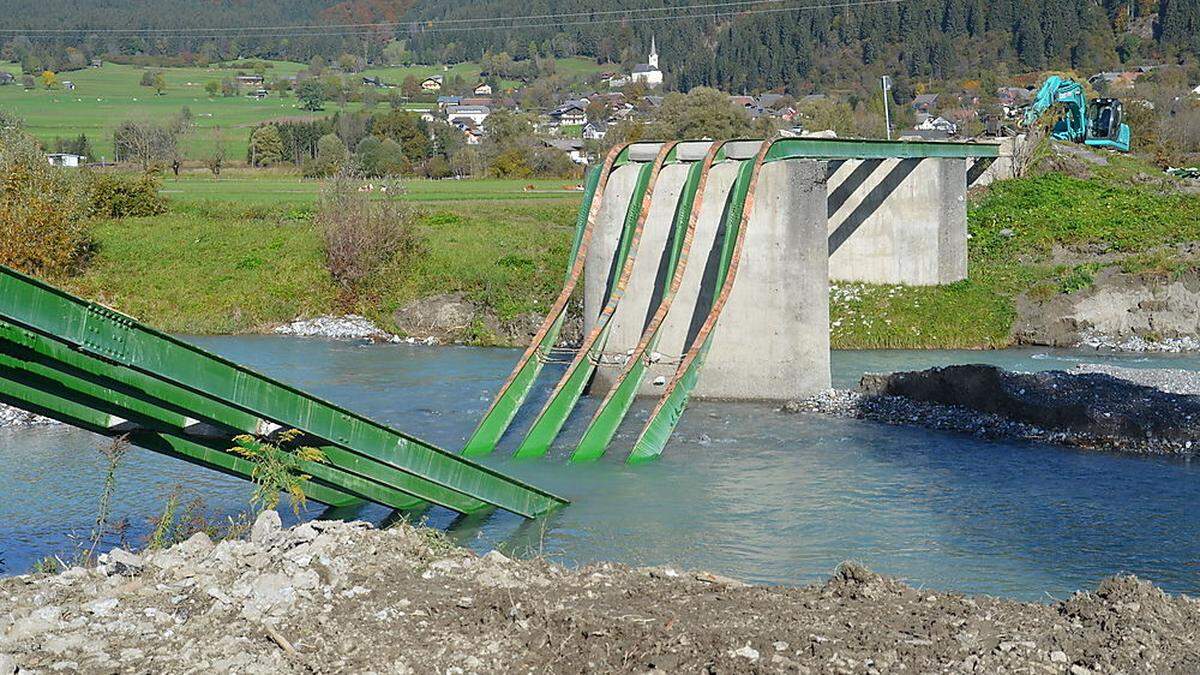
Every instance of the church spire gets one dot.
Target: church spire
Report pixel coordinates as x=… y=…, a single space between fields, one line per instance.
x=653 y=60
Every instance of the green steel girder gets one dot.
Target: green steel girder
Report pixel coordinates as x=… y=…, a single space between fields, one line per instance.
x=375 y=483
x=17 y=392
x=512 y=394
x=665 y=416
x=122 y=342
x=562 y=401
x=516 y=388
x=617 y=402
x=854 y=148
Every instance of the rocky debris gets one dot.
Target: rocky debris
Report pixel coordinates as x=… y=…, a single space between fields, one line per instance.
x=348 y=327
x=1118 y=311
x=1170 y=380
x=452 y=317
x=1147 y=411
x=15 y=417
x=346 y=597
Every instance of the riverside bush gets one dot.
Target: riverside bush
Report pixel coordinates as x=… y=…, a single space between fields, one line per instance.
x=43 y=211
x=361 y=237
x=114 y=195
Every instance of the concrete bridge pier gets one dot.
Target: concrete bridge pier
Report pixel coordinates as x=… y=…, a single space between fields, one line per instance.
x=898 y=221
x=610 y=220
x=771 y=341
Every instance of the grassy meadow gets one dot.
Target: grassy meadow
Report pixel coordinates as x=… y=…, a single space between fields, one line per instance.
x=106 y=96
x=241 y=254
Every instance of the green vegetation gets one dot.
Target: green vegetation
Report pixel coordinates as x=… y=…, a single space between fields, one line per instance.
x=278 y=468
x=1015 y=228
x=241 y=254
x=104 y=97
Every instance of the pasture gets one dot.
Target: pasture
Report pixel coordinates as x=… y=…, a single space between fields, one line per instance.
x=104 y=97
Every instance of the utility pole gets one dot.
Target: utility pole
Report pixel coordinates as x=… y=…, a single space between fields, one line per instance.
x=887 y=113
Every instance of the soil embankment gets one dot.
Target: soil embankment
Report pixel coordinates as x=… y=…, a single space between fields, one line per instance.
x=345 y=597
x=1118 y=310
x=1092 y=406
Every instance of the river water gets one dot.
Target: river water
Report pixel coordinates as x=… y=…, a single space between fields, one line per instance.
x=742 y=489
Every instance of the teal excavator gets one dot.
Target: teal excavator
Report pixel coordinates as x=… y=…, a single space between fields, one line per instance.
x=1097 y=123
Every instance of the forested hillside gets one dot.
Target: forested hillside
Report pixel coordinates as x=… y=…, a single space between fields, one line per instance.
x=736 y=46
x=764 y=48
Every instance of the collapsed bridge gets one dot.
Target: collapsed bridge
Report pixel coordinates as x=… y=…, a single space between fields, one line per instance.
x=705 y=267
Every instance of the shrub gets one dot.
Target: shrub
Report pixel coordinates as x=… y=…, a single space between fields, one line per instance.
x=277 y=468
x=114 y=195
x=42 y=210
x=362 y=237
x=331 y=158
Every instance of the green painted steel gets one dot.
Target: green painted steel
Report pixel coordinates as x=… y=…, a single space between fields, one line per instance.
x=16 y=392
x=845 y=148
x=566 y=394
x=121 y=342
x=665 y=417
x=616 y=404
x=123 y=384
x=512 y=395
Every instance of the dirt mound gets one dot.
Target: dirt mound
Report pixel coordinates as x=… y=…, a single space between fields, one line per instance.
x=1085 y=409
x=345 y=597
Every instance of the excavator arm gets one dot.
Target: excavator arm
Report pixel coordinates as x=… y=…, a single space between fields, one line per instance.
x=1097 y=125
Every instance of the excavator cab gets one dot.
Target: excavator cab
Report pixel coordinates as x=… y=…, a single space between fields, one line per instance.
x=1105 y=125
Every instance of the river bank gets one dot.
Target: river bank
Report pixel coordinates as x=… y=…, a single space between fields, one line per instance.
x=1094 y=406
x=318 y=597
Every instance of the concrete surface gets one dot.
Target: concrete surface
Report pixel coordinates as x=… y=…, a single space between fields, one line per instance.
x=648 y=275
x=772 y=339
x=606 y=233
x=674 y=334
x=898 y=221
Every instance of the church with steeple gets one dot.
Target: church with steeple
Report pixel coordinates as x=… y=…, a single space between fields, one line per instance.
x=649 y=73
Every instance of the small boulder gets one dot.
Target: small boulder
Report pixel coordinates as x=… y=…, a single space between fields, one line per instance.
x=120 y=561
x=265 y=527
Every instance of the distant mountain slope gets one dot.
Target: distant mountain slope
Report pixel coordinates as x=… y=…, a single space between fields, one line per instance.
x=763 y=48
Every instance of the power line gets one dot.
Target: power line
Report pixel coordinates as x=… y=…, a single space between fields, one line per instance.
x=720 y=10
x=396 y=24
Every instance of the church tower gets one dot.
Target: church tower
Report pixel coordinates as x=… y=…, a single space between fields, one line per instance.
x=653 y=60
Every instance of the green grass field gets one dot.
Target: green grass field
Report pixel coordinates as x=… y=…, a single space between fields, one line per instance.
x=241 y=254
x=104 y=97
x=251 y=187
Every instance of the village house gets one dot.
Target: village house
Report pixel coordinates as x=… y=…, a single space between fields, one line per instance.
x=482 y=89
x=476 y=113
x=259 y=94
x=443 y=101
x=65 y=159
x=927 y=122
x=925 y=103
x=6 y=78
x=572 y=147
x=1013 y=98
x=648 y=73
x=256 y=80
x=433 y=83
x=569 y=113
x=595 y=131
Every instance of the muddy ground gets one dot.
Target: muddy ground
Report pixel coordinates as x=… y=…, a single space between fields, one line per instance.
x=331 y=597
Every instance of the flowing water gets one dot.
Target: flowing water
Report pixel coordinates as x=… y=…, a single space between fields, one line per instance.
x=742 y=489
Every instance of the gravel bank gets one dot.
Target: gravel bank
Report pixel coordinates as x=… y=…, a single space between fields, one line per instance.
x=1093 y=406
x=345 y=597
x=349 y=327
x=15 y=417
